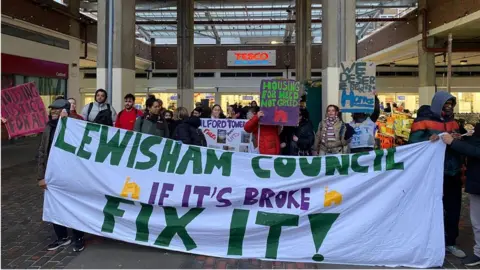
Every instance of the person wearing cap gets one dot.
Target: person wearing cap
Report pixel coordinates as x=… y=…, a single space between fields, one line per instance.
x=59 y=108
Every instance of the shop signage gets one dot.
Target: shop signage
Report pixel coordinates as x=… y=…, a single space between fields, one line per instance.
x=247 y=98
x=251 y=58
x=24 y=110
x=357 y=87
x=378 y=208
x=13 y=64
x=279 y=100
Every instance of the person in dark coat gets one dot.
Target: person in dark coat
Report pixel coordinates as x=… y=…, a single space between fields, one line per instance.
x=304 y=135
x=471 y=148
x=188 y=132
x=59 y=108
x=287 y=147
x=430 y=122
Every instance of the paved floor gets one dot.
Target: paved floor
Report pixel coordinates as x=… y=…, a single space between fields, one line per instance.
x=25 y=235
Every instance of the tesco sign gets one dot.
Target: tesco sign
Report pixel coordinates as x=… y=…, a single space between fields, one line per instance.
x=251 y=58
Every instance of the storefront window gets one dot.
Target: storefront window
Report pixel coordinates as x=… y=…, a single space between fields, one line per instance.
x=408 y=101
x=49 y=88
x=198 y=97
x=467 y=102
x=239 y=99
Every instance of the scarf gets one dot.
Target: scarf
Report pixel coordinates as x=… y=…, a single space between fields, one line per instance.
x=329 y=129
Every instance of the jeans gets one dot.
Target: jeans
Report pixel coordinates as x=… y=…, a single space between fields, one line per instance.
x=475 y=217
x=452 y=206
x=62 y=232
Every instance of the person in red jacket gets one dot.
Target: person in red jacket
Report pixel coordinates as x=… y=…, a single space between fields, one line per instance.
x=126 y=118
x=269 y=143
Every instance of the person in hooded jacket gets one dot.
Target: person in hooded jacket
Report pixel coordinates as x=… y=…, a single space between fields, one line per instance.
x=42 y=157
x=100 y=111
x=471 y=148
x=268 y=141
x=187 y=130
x=304 y=137
x=431 y=121
x=363 y=139
x=153 y=122
x=287 y=145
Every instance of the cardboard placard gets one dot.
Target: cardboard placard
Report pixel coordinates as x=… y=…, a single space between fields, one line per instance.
x=24 y=110
x=279 y=100
x=357 y=87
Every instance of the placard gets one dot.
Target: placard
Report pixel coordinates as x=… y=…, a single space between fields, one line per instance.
x=279 y=100
x=226 y=134
x=357 y=87
x=24 y=110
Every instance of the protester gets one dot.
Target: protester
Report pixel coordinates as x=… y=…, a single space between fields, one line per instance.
x=73 y=109
x=153 y=122
x=333 y=134
x=217 y=112
x=363 y=139
x=304 y=137
x=388 y=109
x=126 y=118
x=187 y=130
x=269 y=141
x=197 y=112
x=287 y=142
x=382 y=107
x=302 y=104
x=253 y=104
x=42 y=157
x=431 y=121
x=168 y=116
x=232 y=113
x=100 y=111
x=471 y=148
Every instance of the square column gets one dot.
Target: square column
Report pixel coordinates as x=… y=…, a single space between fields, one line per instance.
x=76 y=49
x=426 y=64
x=185 y=60
x=339 y=43
x=123 y=47
x=303 y=40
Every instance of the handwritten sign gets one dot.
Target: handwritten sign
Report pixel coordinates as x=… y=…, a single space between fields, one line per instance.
x=357 y=87
x=24 y=110
x=226 y=134
x=279 y=100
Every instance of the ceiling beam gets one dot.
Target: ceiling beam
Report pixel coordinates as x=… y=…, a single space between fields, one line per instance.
x=256 y=22
x=214 y=29
x=367 y=25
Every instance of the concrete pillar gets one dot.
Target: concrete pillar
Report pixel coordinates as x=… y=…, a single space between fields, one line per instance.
x=303 y=40
x=185 y=60
x=426 y=64
x=123 y=49
x=338 y=45
x=76 y=50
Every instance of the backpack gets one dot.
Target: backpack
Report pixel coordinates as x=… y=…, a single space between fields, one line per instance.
x=103 y=117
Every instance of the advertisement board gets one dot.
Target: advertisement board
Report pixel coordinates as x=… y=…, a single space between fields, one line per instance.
x=251 y=58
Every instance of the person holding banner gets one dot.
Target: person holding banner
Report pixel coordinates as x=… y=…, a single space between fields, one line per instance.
x=187 y=130
x=432 y=121
x=265 y=137
x=42 y=157
x=333 y=134
x=471 y=148
x=363 y=139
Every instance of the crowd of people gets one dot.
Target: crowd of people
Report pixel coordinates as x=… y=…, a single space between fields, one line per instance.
x=333 y=136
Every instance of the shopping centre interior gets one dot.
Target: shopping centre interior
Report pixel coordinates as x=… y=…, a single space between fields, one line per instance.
x=186 y=51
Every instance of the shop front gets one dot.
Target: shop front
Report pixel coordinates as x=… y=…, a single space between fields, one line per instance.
x=243 y=99
x=408 y=101
x=49 y=77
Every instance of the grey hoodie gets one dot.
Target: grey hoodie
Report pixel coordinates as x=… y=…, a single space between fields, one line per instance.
x=439 y=99
x=97 y=107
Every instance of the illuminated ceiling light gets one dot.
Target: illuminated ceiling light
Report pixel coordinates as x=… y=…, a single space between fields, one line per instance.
x=273 y=42
x=463 y=62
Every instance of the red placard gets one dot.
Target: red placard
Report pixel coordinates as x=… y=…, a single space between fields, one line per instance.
x=24 y=110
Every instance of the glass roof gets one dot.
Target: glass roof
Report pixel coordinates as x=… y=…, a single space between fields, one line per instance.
x=252 y=24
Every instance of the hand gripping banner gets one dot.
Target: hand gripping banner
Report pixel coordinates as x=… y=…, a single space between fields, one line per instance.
x=380 y=208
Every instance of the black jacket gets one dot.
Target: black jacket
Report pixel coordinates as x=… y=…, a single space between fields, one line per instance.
x=286 y=136
x=471 y=148
x=188 y=132
x=305 y=135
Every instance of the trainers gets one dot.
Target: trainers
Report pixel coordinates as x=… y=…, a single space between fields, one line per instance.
x=59 y=243
x=471 y=260
x=79 y=245
x=456 y=251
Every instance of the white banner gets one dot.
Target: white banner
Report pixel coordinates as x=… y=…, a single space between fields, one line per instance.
x=379 y=208
x=226 y=134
